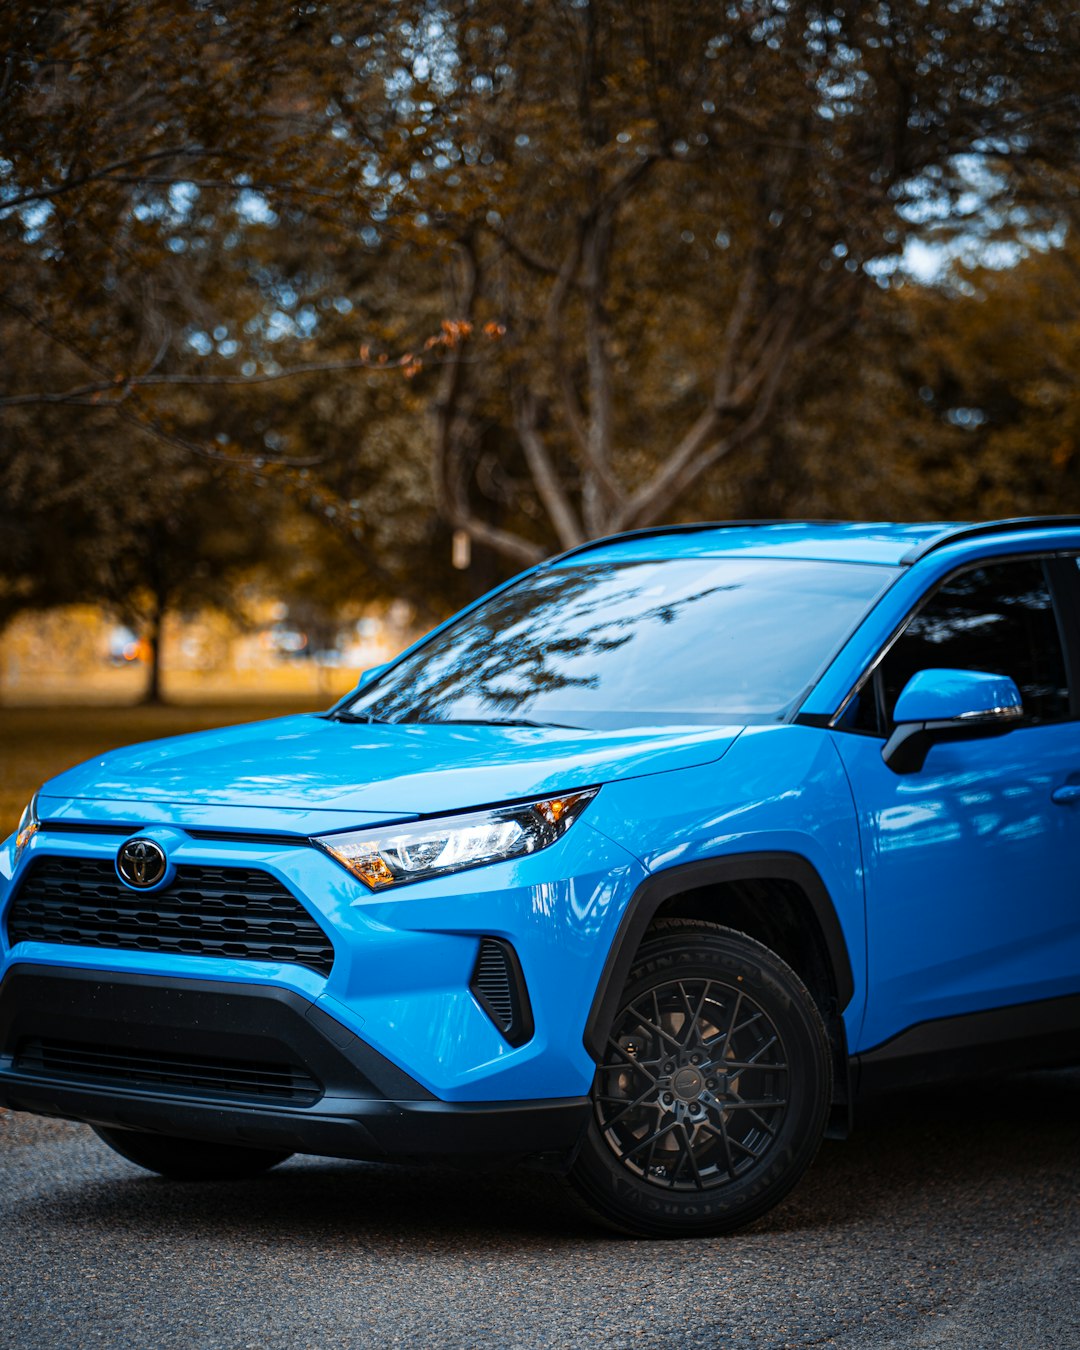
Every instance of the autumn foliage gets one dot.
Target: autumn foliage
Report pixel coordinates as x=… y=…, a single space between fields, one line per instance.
x=531 y=272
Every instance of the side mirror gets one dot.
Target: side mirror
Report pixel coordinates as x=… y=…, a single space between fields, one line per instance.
x=949 y=705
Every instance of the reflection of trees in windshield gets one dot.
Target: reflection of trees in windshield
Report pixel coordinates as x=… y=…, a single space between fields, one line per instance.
x=525 y=643
x=634 y=643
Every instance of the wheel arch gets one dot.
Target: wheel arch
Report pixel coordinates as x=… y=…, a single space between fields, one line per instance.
x=660 y=894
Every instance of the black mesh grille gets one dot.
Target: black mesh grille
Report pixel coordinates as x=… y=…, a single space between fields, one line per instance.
x=492 y=980
x=236 y=912
x=499 y=987
x=183 y=1074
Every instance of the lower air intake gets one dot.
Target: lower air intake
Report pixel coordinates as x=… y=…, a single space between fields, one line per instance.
x=155 y=1070
x=498 y=985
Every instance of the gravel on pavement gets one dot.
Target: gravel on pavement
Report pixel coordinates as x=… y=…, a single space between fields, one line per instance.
x=949 y=1221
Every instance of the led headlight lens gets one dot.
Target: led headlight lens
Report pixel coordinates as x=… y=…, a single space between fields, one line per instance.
x=429 y=848
x=28 y=825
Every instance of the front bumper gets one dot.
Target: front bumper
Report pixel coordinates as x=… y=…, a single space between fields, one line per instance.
x=404 y=969
x=242 y=1064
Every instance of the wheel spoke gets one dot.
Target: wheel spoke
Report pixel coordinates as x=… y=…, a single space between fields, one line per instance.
x=738 y=1143
x=652 y=1139
x=752 y=1062
x=766 y=1127
x=731 y=1025
x=683 y=1145
x=692 y=1160
x=721 y=1133
x=736 y=1030
x=647 y=1023
x=627 y=1106
x=693 y=1014
x=741 y=1146
x=658 y=1023
x=652 y=1154
x=629 y=1061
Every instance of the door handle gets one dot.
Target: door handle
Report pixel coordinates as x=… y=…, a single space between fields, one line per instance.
x=1066 y=794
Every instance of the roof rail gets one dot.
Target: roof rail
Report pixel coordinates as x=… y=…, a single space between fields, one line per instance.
x=974 y=529
x=653 y=531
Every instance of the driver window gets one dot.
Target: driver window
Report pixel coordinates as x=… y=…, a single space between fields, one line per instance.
x=997 y=618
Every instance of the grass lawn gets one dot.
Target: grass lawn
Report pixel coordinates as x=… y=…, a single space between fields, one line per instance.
x=36 y=743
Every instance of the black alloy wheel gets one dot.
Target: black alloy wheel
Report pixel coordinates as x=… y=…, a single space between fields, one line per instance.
x=712 y=1097
x=189 y=1159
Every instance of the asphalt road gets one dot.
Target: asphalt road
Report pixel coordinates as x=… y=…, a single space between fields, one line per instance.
x=950 y=1221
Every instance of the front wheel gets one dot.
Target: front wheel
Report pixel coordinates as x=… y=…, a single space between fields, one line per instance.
x=189 y=1159
x=713 y=1094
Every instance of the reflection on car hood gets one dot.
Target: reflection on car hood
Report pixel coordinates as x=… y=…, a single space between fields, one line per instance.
x=310 y=764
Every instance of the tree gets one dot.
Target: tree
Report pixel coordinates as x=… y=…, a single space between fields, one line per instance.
x=627 y=228
x=107 y=526
x=956 y=401
x=992 y=386
x=693 y=201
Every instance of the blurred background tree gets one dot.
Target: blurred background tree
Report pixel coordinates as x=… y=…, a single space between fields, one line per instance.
x=529 y=273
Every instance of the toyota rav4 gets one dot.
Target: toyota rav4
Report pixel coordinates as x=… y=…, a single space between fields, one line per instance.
x=646 y=866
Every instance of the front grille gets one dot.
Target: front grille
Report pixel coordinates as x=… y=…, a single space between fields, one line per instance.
x=237 y=912
x=498 y=985
x=187 y=1075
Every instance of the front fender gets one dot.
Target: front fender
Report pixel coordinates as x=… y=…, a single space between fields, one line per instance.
x=778 y=805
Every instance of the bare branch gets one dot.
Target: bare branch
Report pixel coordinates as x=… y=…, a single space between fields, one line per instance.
x=139 y=415
x=641 y=502
x=665 y=494
x=121 y=385
x=151 y=426
x=225 y=184
x=571 y=406
x=597 y=500
x=590 y=431
x=550 y=490
x=531 y=260
x=701 y=446
x=734 y=328
x=452 y=432
x=46 y=329
x=105 y=172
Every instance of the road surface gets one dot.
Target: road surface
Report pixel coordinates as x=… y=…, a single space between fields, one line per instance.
x=949 y=1220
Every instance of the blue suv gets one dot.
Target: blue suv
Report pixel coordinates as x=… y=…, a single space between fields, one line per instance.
x=646 y=866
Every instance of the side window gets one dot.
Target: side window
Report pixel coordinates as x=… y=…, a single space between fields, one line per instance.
x=998 y=618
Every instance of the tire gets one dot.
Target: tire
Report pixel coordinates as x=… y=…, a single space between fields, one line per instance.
x=189 y=1159
x=713 y=1095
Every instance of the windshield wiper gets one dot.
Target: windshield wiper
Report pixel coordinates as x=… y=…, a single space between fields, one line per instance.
x=344 y=715
x=502 y=722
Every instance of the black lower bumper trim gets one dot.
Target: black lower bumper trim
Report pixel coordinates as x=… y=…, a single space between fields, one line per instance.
x=368 y=1108
x=336 y=1128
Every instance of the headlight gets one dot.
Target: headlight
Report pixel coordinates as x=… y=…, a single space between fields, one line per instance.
x=28 y=825
x=429 y=848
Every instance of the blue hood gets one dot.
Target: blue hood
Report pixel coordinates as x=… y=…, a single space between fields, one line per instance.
x=304 y=766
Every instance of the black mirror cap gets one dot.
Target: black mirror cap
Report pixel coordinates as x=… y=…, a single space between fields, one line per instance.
x=906 y=749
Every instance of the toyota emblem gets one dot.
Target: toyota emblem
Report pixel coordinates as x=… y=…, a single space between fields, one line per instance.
x=141 y=863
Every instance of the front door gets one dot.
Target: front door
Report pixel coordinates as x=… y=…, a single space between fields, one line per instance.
x=972 y=892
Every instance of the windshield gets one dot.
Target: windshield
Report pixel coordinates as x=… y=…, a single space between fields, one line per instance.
x=622 y=644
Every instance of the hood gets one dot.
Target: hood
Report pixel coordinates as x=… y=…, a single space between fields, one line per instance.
x=306 y=766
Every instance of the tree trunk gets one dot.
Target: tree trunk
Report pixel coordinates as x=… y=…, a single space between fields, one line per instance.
x=152 y=696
